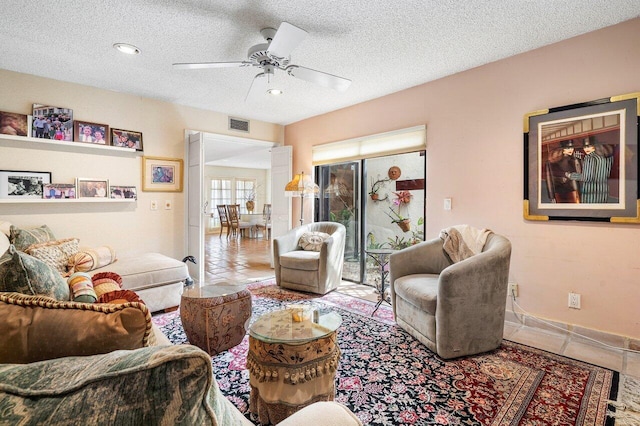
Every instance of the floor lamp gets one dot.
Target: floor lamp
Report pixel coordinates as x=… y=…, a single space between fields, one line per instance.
x=301 y=186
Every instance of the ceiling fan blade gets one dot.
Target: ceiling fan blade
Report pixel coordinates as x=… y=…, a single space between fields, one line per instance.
x=258 y=87
x=193 y=66
x=318 y=77
x=287 y=38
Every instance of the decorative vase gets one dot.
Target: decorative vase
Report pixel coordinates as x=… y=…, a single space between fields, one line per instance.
x=374 y=196
x=250 y=206
x=405 y=225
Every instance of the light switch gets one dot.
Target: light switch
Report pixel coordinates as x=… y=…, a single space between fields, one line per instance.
x=447 y=203
x=168 y=205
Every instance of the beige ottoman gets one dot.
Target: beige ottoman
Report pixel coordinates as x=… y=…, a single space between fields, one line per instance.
x=214 y=315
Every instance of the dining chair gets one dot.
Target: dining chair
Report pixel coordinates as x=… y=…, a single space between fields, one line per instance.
x=224 y=219
x=266 y=221
x=237 y=226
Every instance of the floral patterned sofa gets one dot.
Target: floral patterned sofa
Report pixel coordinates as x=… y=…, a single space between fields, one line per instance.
x=164 y=385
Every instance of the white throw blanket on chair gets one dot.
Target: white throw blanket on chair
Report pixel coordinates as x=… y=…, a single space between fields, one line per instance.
x=463 y=241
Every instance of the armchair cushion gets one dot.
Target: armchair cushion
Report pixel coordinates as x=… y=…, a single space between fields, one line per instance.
x=36 y=328
x=301 y=260
x=419 y=290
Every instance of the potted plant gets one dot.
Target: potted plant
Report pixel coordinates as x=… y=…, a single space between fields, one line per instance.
x=375 y=187
x=250 y=200
x=403 y=222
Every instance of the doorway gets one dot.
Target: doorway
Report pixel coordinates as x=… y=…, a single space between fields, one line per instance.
x=225 y=153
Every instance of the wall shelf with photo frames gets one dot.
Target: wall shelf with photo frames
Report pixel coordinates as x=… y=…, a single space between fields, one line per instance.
x=26 y=200
x=38 y=143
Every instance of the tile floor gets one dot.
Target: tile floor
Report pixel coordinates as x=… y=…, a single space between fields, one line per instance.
x=248 y=259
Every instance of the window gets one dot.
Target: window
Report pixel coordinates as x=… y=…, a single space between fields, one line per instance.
x=245 y=191
x=220 y=195
x=230 y=191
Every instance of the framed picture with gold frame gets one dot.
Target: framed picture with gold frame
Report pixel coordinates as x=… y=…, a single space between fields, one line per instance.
x=161 y=174
x=581 y=161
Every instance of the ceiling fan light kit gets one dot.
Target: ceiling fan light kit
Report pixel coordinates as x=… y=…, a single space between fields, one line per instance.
x=127 y=48
x=272 y=55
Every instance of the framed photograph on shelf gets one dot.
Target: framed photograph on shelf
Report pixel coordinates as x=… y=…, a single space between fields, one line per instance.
x=51 y=122
x=14 y=124
x=581 y=162
x=122 y=192
x=22 y=184
x=92 y=188
x=126 y=139
x=161 y=174
x=59 y=191
x=85 y=131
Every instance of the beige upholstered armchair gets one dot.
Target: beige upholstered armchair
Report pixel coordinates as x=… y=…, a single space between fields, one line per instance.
x=454 y=309
x=305 y=269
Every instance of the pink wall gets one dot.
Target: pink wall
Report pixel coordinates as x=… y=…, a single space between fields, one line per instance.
x=474 y=125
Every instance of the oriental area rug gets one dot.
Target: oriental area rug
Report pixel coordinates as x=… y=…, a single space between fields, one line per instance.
x=386 y=377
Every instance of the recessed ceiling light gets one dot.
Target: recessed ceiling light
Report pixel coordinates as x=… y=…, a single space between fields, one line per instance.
x=274 y=92
x=127 y=48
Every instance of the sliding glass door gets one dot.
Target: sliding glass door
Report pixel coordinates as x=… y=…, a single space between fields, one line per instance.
x=339 y=201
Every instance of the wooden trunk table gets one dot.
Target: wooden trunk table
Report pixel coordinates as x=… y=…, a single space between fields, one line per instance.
x=214 y=315
x=292 y=362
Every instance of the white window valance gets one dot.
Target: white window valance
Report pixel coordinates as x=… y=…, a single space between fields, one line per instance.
x=389 y=143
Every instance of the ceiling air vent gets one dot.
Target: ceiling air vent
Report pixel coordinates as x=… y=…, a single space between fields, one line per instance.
x=239 y=124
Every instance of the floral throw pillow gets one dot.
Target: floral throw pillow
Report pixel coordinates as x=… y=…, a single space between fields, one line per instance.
x=312 y=241
x=22 y=273
x=23 y=238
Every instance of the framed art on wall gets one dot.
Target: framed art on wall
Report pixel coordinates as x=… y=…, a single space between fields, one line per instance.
x=22 y=184
x=91 y=132
x=92 y=188
x=581 y=162
x=161 y=174
x=119 y=192
x=59 y=190
x=126 y=139
x=51 y=122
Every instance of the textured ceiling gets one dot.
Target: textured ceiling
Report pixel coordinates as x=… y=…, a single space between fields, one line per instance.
x=382 y=46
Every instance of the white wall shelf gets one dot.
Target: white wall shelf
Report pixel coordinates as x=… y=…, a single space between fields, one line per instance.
x=27 y=200
x=37 y=143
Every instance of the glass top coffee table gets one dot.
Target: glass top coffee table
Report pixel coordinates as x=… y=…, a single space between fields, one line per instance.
x=294 y=326
x=292 y=361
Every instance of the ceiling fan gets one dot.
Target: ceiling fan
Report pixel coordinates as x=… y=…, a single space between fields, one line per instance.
x=273 y=55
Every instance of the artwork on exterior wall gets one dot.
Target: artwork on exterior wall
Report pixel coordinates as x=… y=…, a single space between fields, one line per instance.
x=581 y=162
x=161 y=174
x=51 y=122
x=91 y=132
x=22 y=184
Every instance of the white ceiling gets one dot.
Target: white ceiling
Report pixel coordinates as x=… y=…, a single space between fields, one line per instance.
x=382 y=46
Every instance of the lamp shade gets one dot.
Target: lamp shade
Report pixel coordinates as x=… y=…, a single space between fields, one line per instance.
x=301 y=186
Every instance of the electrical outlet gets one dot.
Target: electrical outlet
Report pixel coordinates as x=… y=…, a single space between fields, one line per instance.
x=154 y=205
x=513 y=289
x=574 y=300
